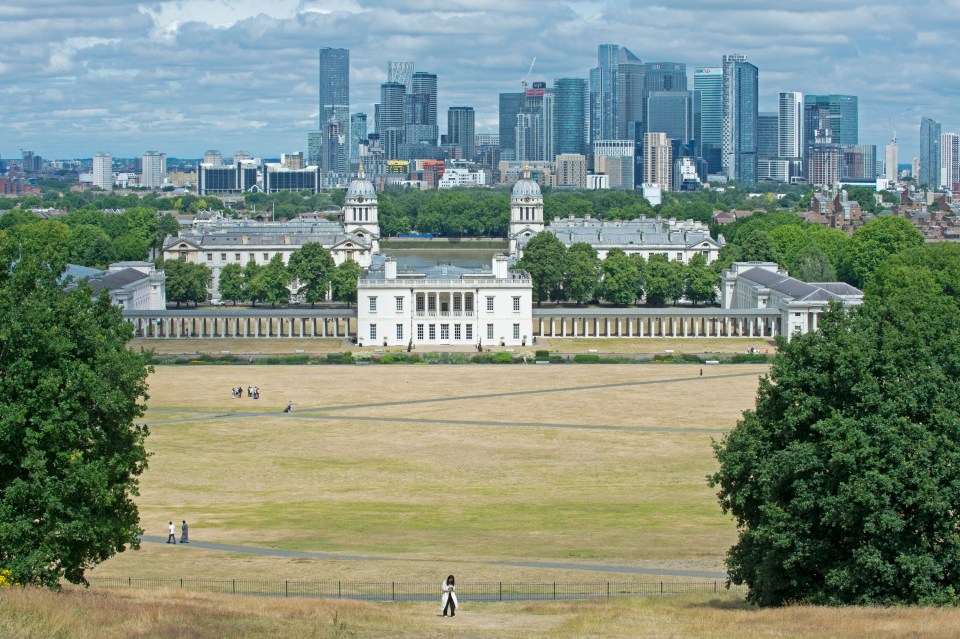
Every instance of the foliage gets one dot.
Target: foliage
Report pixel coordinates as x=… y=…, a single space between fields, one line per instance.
x=664 y=280
x=272 y=281
x=621 y=278
x=451 y=212
x=873 y=243
x=230 y=284
x=586 y=358
x=70 y=453
x=186 y=281
x=843 y=479
x=502 y=358
x=89 y=245
x=343 y=282
x=758 y=222
x=252 y=285
x=700 y=282
x=544 y=257
x=311 y=266
x=582 y=273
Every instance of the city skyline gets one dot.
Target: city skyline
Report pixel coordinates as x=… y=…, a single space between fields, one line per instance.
x=125 y=77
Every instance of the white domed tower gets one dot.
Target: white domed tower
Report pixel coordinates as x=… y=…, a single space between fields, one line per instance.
x=360 y=211
x=526 y=209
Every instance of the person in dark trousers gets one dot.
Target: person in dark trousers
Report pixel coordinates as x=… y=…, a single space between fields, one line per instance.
x=448 y=600
x=184 y=533
x=289 y=408
x=172 y=537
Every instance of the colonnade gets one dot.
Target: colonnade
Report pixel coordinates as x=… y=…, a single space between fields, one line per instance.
x=667 y=324
x=231 y=324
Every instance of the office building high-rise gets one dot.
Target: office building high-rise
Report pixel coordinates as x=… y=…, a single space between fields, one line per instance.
x=708 y=95
x=843 y=115
x=859 y=163
x=153 y=169
x=213 y=158
x=616 y=159
x=571 y=116
x=391 y=117
x=657 y=160
x=790 y=140
x=460 y=130
x=892 y=159
x=423 y=83
x=616 y=92
x=315 y=147
x=930 y=157
x=401 y=72
x=950 y=161
x=103 y=171
x=671 y=113
x=358 y=132
x=739 y=133
x=335 y=97
x=768 y=134
x=511 y=104
x=571 y=170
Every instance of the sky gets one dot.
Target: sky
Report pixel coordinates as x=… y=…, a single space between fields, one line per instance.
x=186 y=76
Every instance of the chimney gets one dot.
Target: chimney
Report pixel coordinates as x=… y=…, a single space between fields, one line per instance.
x=390 y=268
x=246 y=239
x=286 y=239
x=500 y=266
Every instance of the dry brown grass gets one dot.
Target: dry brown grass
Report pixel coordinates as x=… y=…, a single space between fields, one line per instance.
x=133 y=614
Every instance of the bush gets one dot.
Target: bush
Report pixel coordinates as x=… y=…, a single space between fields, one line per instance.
x=387 y=359
x=432 y=358
x=543 y=355
x=458 y=358
x=586 y=358
x=502 y=358
x=690 y=357
x=749 y=358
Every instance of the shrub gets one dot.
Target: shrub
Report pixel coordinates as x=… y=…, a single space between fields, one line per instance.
x=749 y=358
x=387 y=359
x=432 y=358
x=543 y=355
x=348 y=358
x=586 y=358
x=690 y=357
x=458 y=358
x=502 y=358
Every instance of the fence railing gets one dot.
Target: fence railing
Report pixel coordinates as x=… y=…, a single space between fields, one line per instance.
x=423 y=591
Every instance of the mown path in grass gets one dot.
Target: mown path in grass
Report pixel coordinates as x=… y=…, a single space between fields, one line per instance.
x=275 y=552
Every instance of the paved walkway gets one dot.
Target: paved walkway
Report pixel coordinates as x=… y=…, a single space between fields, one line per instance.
x=619 y=569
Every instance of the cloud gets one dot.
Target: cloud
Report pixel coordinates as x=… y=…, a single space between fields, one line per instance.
x=184 y=76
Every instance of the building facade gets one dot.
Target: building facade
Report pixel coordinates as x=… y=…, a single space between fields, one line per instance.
x=103 y=171
x=739 y=132
x=153 y=169
x=657 y=160
x=708 y=93
x=461 y=122
x=930 y=155
x=571 y=116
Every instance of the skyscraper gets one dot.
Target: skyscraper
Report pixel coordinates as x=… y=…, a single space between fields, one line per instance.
x=616 y=95
x=511 y=104
x=843 y=116
x=571 y=109
x=790 y=133
x=426 y=84
x=335 y=94
x=153 y=169
x=392 y=102
x=768 y=134
x=949 y=161
x=671 y=113
x=460 y=129
x=739 y=119
x=401 y=72
x=358 y=132
x=930 y=160
x=103 y=171
x=657 y=160
x=892 y=159
x=708 y=83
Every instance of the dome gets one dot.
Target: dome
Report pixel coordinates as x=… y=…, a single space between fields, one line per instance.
x=361 y=187
x=525 y=187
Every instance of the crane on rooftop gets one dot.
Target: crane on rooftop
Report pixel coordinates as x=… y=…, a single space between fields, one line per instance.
x=523 y=82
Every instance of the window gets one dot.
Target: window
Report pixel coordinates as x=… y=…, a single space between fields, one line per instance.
x=468 y=302
x=373 y=304
x=456 y=303
x=266 y=257
x=399 y=331
x=679 y=257
x=516 y=331
x=420 y=332
x=444 y=332
x=399 y=304
x=253 y=257
x=456 y=331
x=223 y=257
x=516 y=304
x=373 y=332
x=420 y=302
x=490 y=304
x=209 y=257
x=432 y=303
x=489 y=331
x=236 y=257
x=433 y=332
x=470 y=332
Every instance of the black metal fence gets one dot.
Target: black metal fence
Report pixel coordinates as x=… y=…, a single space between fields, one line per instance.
x=424 y=591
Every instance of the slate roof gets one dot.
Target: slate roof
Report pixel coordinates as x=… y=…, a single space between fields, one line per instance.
x=294 y=233
x=638 y=232
x=114 y=280
x=797 y=290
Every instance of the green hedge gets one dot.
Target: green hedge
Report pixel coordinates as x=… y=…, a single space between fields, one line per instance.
x=586 y=358
x=502 y=358
x=749 y=358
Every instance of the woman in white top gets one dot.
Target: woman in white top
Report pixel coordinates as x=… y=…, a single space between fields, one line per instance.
x=448 y=600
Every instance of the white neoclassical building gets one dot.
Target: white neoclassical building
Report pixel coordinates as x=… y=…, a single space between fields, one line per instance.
x=675 y=239
x=133 y=286
x=444 y=305
x=759 y=285
x=221 y=241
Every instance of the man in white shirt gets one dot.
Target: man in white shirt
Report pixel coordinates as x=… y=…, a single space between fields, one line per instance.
x=172 y=537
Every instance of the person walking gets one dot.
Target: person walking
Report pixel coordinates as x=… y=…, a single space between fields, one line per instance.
x=184 y=533
x=448 y=598
x=172 y=537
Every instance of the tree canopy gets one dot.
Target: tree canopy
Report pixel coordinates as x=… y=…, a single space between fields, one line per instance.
x=544 y=257
x=186 y=281
x=843 y=480
x=873 y=243
x=70 y=453
x=311 y=266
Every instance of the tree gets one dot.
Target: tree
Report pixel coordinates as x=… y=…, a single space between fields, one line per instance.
x=273 y=280
x=231 y=283
x=843 y=479
x=757 y=246
x=89 y=245
x=186 y=281
x=700 y=281
x=582 y=274
x=130 y=247
x=877 y=240
x=312 y=266
x=70 y=454
x=343 y=282
x=663 y=281
x=252 y=289
x=544 y=258
x=813 y=265
x=621 y=278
